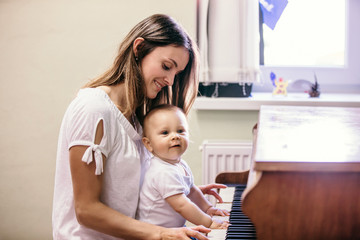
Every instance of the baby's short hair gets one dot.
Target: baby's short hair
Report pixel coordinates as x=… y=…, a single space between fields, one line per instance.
x=157 y=108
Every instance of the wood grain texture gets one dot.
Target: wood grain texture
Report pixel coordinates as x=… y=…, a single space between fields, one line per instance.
x=314 y=205
x=232 y=177
x=307 y=166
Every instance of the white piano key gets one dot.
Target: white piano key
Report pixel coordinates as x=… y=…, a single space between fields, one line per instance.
x=226 y=206
x=222 y=218
x=217 y=234
x=227 y=194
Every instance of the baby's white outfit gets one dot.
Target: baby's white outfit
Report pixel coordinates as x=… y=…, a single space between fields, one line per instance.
x=163 y=180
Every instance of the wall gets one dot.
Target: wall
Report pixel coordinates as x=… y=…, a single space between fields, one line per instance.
x=207 y=124
x=48 y=50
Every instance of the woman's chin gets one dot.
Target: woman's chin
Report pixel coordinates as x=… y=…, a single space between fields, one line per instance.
x=152 y=95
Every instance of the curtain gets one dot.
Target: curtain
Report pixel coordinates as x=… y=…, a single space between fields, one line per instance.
x=228 y=37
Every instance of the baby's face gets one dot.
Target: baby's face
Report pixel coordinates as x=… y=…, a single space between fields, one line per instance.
x=168 y=134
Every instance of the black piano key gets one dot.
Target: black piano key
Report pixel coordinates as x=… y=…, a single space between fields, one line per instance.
x=241 y=236
x=241 y=222
x=243 y=233
x=241 y=226
x=247 y=230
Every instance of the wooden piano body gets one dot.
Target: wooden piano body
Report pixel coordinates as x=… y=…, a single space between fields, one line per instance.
x=304 y=182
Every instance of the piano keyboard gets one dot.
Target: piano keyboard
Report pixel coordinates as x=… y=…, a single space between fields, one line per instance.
x=241 y=227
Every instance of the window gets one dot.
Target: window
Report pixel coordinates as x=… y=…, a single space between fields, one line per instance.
x=315 y=37
x=309 y=40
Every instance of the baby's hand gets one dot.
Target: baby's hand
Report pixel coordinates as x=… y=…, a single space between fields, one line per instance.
x=219 y=224
x=216 y=211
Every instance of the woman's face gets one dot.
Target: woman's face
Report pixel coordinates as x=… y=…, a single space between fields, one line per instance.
x=161 y=65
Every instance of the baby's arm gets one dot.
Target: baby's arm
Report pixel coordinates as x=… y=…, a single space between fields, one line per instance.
x=217 y=211
x=183 y=205
x=199 y=199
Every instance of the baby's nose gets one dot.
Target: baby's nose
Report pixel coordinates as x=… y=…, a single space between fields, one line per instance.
x=175 y=136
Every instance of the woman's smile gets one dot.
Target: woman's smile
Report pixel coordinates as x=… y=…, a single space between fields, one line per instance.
x=158 y=84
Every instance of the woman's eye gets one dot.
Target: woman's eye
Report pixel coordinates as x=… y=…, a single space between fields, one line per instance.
x=165 y=67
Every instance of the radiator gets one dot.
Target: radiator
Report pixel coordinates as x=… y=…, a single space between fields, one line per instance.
x=224 y=156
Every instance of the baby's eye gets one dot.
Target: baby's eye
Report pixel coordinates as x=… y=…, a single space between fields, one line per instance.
x=180 y=131
x=164 y=132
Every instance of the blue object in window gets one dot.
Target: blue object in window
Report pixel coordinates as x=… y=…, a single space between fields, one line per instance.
x=272 y=10
x=273 y=78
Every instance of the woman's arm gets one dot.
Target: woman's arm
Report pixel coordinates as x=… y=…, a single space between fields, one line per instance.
x=92 y=213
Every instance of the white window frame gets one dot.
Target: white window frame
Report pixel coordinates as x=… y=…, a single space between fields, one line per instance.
x=331 y=79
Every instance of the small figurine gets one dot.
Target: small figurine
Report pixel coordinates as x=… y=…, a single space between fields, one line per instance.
x=280 y=85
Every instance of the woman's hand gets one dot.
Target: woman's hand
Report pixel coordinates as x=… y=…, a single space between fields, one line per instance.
x=217 y=211
x=185 y=233
x=208 y=189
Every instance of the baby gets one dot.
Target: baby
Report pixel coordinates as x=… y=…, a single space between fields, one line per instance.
x=168 y=196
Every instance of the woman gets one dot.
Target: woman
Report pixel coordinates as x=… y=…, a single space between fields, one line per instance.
x=101 y=160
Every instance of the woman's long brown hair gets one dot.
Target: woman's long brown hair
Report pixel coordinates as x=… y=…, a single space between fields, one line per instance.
x=156 y=30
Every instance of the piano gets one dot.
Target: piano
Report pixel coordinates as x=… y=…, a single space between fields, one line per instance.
x=304 y=180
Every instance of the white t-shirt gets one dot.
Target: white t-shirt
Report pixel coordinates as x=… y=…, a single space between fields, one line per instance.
x=163 y=180
x=126 y=160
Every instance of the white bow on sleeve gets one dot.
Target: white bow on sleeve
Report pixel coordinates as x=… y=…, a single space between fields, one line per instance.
x=87 y=157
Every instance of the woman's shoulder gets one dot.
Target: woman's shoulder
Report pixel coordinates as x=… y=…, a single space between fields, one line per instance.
x=90 y=100
x=92 y=95
x=87 y=108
